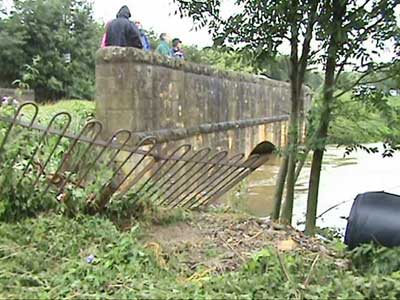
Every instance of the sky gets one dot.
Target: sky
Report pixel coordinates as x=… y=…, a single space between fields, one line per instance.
x=157 y=15
x=153 y=14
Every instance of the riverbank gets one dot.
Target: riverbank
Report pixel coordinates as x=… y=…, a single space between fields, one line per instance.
x=217 y=242
x=181 y=255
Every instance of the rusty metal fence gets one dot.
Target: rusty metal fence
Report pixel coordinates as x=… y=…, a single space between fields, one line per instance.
x=52 y=158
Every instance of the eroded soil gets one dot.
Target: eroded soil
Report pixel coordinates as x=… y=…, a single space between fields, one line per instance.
x=220 y=242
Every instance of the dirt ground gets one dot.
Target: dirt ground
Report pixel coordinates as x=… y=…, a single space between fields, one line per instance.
x=220 y=242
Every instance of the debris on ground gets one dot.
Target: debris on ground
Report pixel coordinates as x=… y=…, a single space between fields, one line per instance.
x=221 y=242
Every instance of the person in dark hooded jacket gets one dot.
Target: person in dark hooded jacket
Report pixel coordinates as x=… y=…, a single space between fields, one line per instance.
x=122 y=32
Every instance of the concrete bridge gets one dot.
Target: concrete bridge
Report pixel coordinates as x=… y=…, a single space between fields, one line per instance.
x=178 y=100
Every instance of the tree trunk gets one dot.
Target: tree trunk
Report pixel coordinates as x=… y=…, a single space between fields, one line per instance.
x=280 y=186
x=315 y=173
x=313 y=189
x=321 y=135
x=334 y=45
x=298 y=67
x=287 y=211
x=297 y=74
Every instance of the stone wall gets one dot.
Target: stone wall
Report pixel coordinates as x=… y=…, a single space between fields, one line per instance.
x=146 y=92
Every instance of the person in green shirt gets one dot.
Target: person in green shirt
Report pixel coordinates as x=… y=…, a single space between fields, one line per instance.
x=163 y=47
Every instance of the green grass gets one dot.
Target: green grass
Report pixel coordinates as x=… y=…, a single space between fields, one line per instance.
x=46 y=258
x=72 y=106
x=394 y=101
x=80 y=110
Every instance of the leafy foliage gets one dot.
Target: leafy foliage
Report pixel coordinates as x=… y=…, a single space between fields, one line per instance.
x=366 y=116
x=258 y=28
x=43 y=34
x=220 y=59
x=357 y=117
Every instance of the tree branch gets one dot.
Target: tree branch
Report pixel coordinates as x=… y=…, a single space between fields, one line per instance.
x=305 y=52
x=359 y=80
x=359 y=38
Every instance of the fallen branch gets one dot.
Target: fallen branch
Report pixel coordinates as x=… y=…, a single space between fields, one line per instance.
x=306 y=282
x=232 y=249
x=326 y=211
x=283 y=267
x=333 y=207
x=254 y=236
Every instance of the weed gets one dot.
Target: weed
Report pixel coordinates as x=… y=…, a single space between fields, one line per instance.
x=237 y=198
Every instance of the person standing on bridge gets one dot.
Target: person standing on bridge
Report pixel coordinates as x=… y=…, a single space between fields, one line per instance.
x=143 y=37
x=177 y=51
x=163 y=47
x=122 y=32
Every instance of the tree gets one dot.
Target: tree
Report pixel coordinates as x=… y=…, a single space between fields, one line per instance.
x=260 y=27
x=223 y=59
x=63 y=34
x=12 y=55
x=344 y=31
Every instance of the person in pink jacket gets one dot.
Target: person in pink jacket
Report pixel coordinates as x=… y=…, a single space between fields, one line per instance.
x=103 y=40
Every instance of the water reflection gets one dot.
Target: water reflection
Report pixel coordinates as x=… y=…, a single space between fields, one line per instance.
x=341 y=179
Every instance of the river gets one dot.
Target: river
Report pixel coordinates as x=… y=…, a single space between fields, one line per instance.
x=342 y=179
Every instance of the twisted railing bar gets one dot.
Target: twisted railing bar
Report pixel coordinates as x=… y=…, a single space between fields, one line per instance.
x=168 y=176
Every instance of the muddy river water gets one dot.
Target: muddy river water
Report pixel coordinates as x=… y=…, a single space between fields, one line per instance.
x=341 y=180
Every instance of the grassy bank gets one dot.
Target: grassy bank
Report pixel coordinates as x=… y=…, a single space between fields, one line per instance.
x=75 y=107
x=46 y=253
x=89 y=257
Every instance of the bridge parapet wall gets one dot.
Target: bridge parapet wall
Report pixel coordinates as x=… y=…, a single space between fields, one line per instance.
x=147 y=92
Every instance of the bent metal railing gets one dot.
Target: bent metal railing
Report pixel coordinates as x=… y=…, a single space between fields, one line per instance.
x=58 y=160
